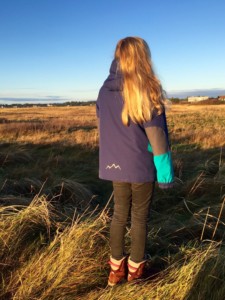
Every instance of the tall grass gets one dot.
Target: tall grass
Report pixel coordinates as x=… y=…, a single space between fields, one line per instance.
x=48 y=258
x=54 y=229
x=53 y=260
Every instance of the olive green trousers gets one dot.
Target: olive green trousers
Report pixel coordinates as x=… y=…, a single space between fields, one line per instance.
x=130 y=200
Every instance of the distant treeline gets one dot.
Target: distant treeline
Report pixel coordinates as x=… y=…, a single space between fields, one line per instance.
x=178 y=100
x=69 y=103
x=214 y=101
x=210 y=101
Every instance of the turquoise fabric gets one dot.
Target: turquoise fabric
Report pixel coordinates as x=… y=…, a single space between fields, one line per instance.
x=164 y=166
x=149 y=147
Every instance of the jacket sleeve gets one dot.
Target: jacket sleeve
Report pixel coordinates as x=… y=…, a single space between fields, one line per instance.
x=157 y=133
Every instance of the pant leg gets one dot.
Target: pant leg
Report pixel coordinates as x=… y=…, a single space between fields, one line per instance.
x=142 y=194
x=122 y=202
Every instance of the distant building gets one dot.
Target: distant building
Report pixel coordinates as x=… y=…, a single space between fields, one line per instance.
x=197 y=98
x=221 y=98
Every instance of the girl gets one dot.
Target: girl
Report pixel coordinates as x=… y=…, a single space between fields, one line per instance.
x=133 y=150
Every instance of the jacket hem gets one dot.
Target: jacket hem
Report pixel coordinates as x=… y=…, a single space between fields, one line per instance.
x=131 y=180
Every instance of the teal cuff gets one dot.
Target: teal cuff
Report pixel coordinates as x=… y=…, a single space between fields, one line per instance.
x=164 y=167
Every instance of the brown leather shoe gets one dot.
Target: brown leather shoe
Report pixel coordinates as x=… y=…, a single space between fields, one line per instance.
x=118 y=271
x=135 y=272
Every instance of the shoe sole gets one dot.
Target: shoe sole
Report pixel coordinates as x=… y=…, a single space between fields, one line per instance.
x=111 y=284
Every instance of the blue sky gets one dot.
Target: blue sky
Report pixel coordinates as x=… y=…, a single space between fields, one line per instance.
x=62 y=49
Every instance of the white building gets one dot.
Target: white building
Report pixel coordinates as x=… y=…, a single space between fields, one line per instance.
x=221 y=98
x=197 y=98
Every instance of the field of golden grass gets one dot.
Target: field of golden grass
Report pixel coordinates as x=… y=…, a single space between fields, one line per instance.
x=54 y=216
x=69 y=125
x=203 y=125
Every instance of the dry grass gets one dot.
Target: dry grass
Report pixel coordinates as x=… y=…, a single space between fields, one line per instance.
x=67 y=125
x=68 y=261
x=198 y=125
x=53 y=245
x=48 y=258
x=201 y=125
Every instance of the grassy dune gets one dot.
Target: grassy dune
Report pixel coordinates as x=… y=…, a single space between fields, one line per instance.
x=54 y=215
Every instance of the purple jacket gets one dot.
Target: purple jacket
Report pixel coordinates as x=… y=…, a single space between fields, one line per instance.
x=123 y=151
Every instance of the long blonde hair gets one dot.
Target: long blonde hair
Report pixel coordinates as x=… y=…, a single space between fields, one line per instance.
x=141 y=89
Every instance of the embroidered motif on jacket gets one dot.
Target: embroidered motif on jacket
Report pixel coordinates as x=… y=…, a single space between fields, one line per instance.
x=113 y=166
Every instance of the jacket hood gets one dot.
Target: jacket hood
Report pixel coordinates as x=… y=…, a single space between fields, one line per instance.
x=114 y=80
x=114 y=68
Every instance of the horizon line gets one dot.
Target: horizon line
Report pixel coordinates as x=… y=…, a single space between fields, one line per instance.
x=214 y=92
